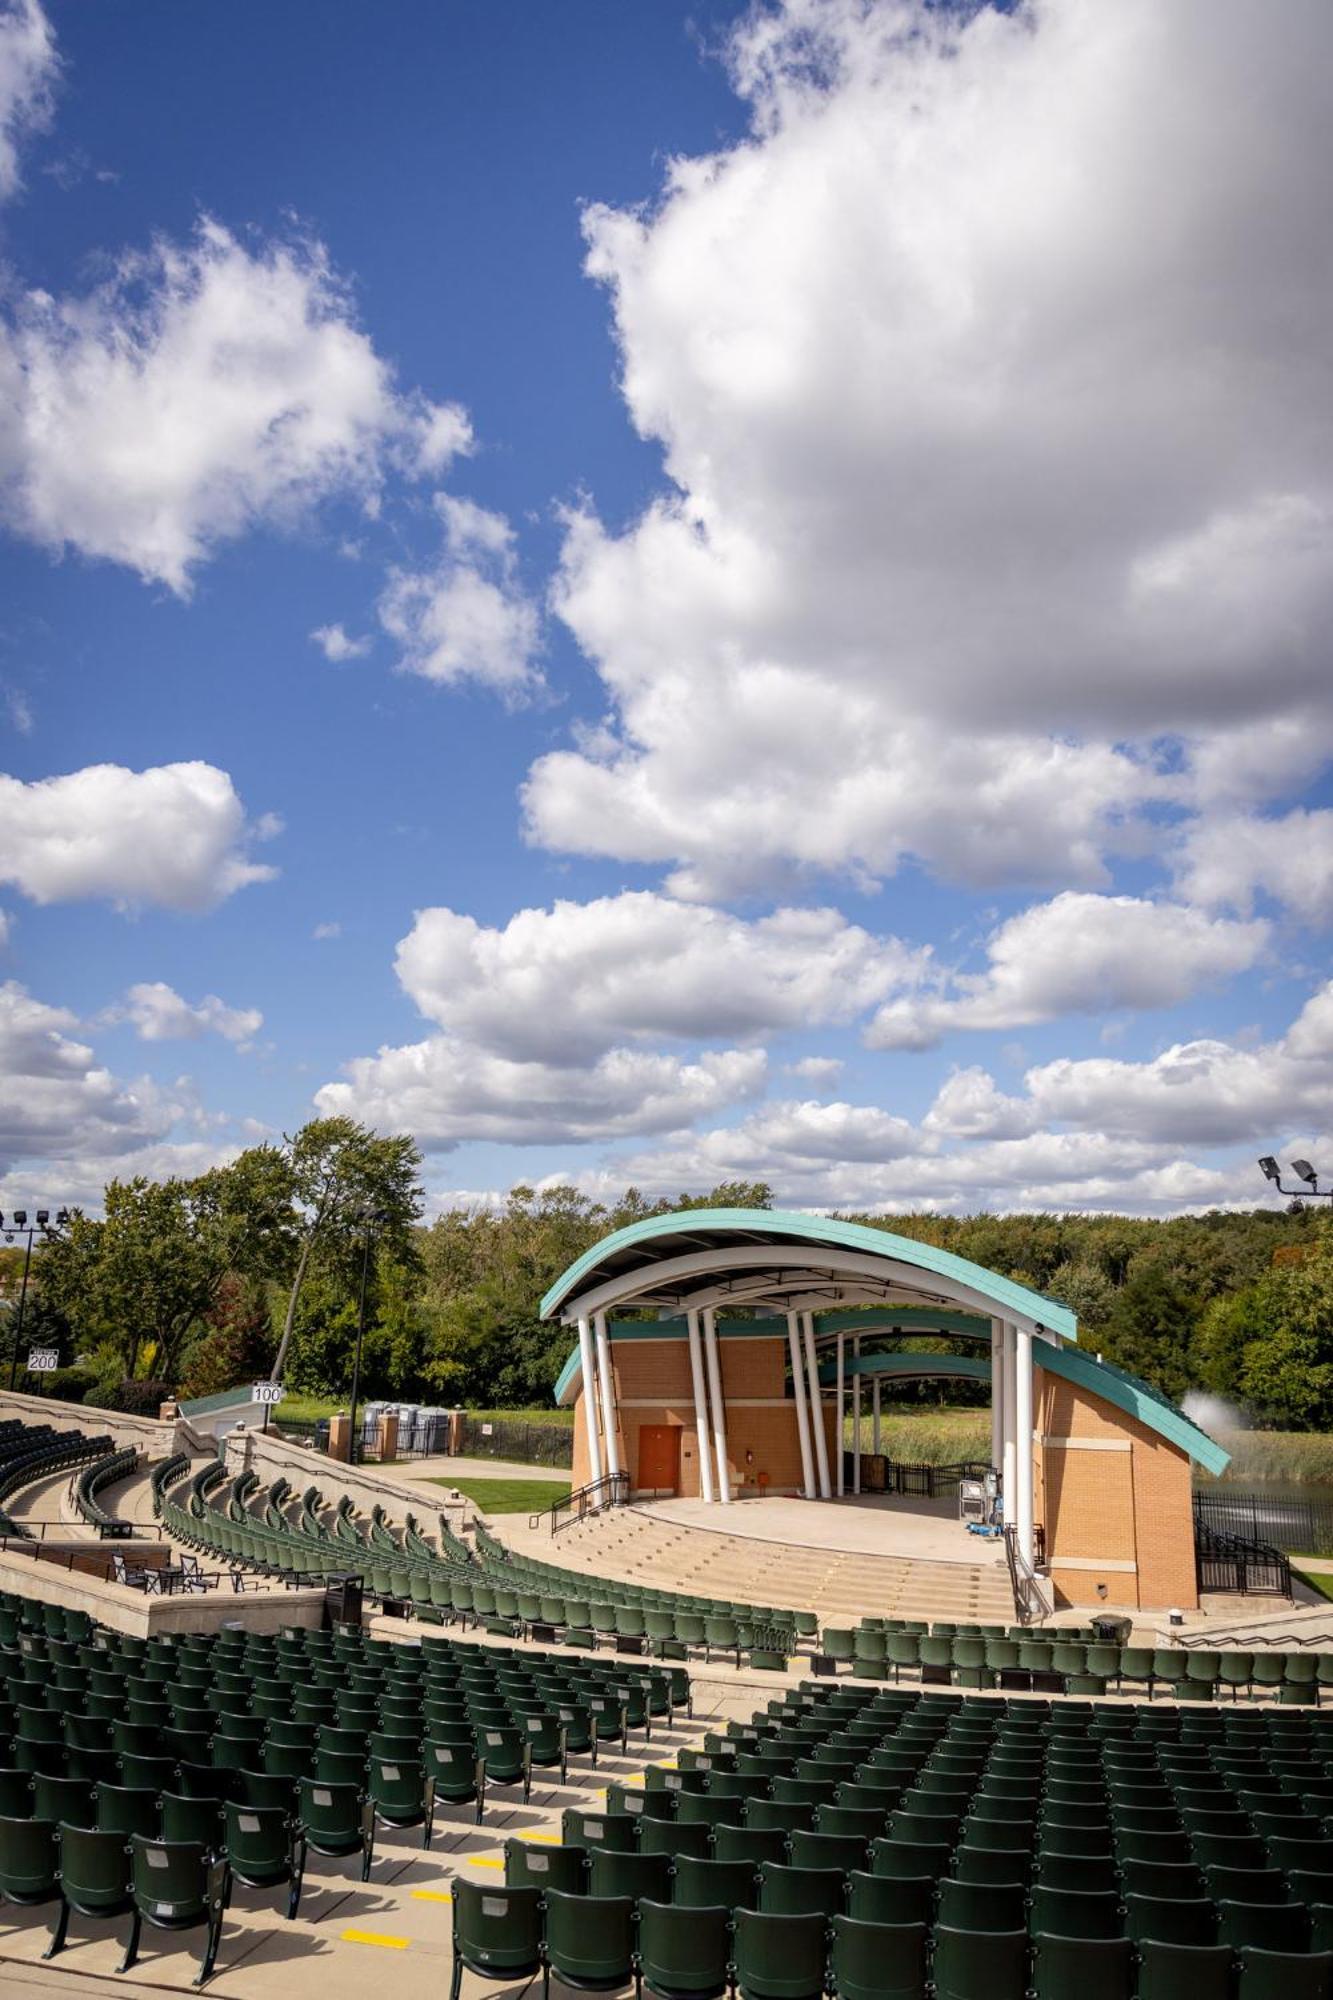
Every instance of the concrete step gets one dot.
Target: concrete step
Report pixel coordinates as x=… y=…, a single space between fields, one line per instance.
x=840 y=1586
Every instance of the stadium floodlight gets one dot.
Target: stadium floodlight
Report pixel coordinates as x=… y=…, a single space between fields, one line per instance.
x=1303 y=1171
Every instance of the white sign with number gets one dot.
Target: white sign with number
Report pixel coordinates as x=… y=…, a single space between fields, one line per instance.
x=267 y=1392
x=42 y=1360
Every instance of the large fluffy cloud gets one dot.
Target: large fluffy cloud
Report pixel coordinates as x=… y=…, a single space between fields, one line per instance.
x=1078 y=954
x=174 y=835
x=992 y=380
x=565 y=984
x=444 y=1091
x=1180 y=1130
x=203 y=388
x=27 y=72
x=1228 y=861
x=58 y=1101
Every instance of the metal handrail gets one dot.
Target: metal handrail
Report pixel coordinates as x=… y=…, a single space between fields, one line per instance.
x=1029 y=1603
x=610 y=1491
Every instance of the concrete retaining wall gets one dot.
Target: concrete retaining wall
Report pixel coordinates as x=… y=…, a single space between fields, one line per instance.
x=370 y=1486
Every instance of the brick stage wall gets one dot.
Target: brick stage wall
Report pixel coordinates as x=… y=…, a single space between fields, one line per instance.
x=1115 y=1501
x=653 y=1386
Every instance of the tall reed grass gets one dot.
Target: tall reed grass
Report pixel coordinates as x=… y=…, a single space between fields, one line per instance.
x=1293 y=1456
x=928 y=1437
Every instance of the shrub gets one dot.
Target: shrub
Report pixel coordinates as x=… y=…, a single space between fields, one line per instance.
x=132 y=1399
x=67 y=1385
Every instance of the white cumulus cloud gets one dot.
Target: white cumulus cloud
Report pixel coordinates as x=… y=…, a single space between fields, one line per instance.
x=991 y=380
x=445 y=1091
x=1229 y=860
x=175 y=835
x=159 y=1014
x=1078 y=954
x=204 y=388
x=468 y=617
x=336 y=644
x=564 y=984
x=59 y=1102
x=28 y=68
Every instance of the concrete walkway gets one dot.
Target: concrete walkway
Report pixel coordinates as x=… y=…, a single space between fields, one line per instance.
x=476 y=1468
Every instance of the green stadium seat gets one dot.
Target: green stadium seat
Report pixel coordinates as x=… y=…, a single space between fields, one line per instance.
x=980 y=1965
x=779 y=1957
x=177 y=1886
x=497 y=1933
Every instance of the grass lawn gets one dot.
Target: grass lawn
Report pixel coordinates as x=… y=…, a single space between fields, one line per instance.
x=509 y=1496
x=1320 y=1580
x=307 y=1409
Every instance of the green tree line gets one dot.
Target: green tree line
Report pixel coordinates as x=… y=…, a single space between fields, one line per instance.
x=254 y=1269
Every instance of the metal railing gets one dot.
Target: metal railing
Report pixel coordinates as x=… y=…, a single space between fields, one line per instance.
x=612 y=1491
x=1305 y=1526
x=1236 y=1563
x=1029 y=1598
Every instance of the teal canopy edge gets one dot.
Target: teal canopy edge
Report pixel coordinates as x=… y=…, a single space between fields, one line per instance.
x=821 y=1229
x=1137 y=1399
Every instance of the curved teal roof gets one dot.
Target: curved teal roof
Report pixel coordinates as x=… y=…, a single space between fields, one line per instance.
x=634 y=1250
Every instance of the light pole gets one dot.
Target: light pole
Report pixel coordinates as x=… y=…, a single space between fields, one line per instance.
x=368 y=1223
x=19 y=1225
x=1303 y=1171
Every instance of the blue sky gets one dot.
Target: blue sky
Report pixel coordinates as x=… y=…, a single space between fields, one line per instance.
x=668 y=593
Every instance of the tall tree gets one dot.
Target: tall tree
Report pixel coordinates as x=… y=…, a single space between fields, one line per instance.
x=342 y=1176
x=140 y=1279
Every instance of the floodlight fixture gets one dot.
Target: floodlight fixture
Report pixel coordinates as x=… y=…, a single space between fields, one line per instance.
x=1269 y=1168
x=1304 y=1171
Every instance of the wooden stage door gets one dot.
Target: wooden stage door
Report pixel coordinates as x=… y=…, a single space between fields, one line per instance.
x=659 y=1458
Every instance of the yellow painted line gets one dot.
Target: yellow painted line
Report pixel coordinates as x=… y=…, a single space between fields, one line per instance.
x=482 y=1860
x=553 y=1838
x=375 y=1937
x=433 y=1895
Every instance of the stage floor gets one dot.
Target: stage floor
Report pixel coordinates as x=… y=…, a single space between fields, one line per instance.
x=917 y=1530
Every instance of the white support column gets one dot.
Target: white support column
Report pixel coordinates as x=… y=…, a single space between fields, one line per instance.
x=588 y=1369
x=706 y=1485
x=1009 y=1451
x=1023 y=1431
x=798 y=1394
x=719 y=1408
x=997 y=1394
x=816 y=1408
x=856 y=1417
x=874 y=1435
x=608 y=1395
x=840 y=1425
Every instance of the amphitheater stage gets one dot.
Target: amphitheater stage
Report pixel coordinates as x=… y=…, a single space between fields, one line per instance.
x=911 y=1528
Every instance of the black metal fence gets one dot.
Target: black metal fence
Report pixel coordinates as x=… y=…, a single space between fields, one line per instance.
x=1227 y=1562
x=880 y=1474
x=527 y=1444
x=1301 y=1527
